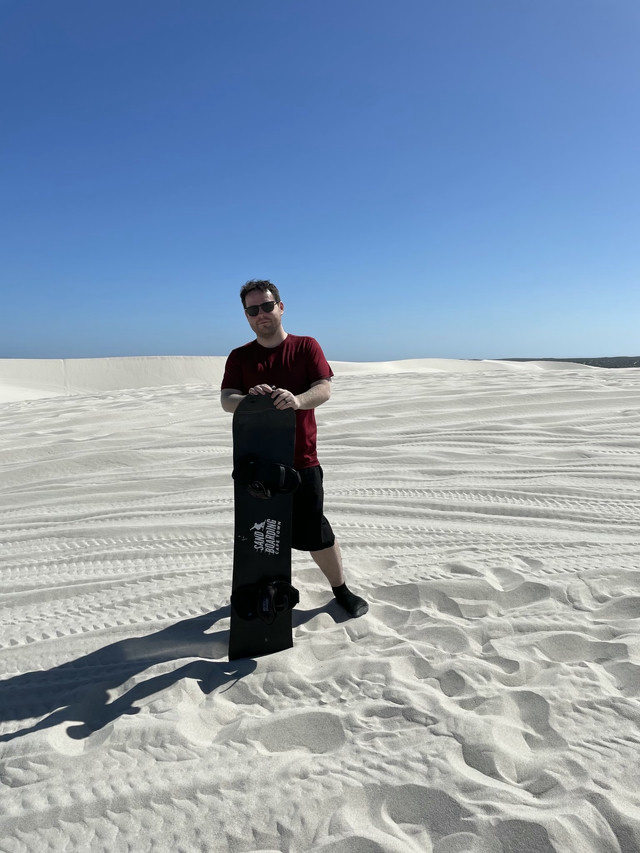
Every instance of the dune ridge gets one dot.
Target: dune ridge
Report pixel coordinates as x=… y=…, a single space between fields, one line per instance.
x=489 y=701
x=25 y=379
x=36 y=378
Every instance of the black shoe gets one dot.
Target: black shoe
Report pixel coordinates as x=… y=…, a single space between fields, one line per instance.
x=353 y=604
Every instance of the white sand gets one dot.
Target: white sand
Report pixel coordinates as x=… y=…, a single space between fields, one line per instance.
x=490 y=700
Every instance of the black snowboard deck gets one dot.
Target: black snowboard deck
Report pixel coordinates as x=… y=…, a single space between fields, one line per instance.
x=262 y=526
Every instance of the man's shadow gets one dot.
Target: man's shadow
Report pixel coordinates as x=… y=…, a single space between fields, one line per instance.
x=78 y=691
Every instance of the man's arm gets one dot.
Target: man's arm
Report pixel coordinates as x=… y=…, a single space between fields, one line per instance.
x=318 y=394
x=230 y=399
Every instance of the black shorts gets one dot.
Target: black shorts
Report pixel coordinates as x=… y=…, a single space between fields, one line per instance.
x=311 y=530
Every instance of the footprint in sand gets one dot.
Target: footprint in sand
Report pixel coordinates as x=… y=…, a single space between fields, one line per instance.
x=627 y=677
x=415 y=804
x=317 y=731
x=402 y=817
x=569 y=647
x=508 y=753
x=627 y=607
x=519 y=835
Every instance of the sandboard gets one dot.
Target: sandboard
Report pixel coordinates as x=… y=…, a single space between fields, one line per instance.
x=263 y=450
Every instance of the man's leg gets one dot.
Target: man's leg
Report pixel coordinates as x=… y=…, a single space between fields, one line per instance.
x=329 y=561
x=310 y=526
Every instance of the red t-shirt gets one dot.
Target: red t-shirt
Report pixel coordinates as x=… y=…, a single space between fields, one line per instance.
x=295 y=364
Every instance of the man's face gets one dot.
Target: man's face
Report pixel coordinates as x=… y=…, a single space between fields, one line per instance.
x=264 y=324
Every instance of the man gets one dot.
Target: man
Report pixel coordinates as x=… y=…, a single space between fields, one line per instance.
x=296 y=367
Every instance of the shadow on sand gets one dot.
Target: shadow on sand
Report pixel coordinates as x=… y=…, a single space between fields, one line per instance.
x=79 y=690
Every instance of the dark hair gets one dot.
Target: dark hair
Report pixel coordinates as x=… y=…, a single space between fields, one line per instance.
x=259 y=284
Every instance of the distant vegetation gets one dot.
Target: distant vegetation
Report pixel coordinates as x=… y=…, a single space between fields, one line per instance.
x=613 y=361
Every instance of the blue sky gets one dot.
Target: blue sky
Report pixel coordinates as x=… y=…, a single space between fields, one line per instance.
x=453 y=179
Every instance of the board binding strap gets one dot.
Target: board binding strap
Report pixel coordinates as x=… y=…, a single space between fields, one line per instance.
x=264 y=600
x=265 y=479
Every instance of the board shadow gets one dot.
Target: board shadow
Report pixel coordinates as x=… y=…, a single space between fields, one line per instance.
x=79 y=691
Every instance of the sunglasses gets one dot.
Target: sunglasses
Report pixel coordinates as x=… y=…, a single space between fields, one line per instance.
x=254 y=310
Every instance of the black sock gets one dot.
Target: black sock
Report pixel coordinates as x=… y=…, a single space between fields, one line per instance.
x=353 y=604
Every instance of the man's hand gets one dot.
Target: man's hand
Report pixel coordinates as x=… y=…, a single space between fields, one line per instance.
x=283 y=399
x=261 y=389
x=318 y=394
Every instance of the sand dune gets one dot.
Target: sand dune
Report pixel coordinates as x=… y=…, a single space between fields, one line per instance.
x=489 y=701
x=26 y=379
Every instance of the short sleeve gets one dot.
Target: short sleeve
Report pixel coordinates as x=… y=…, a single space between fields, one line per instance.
x=232 y=372
x=319 y=367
